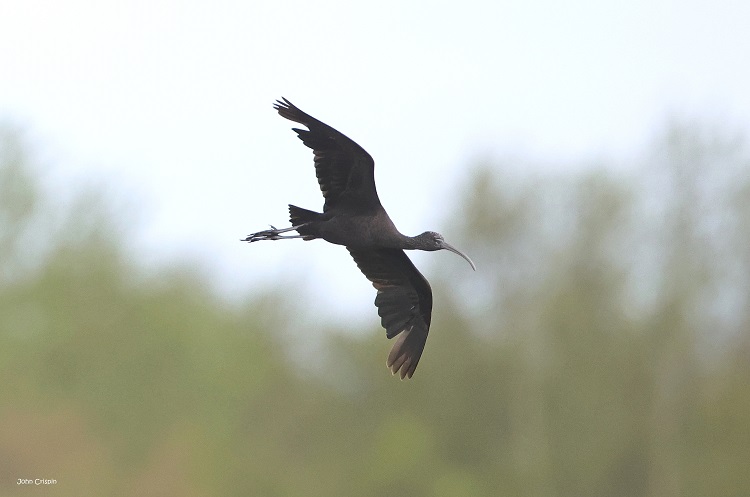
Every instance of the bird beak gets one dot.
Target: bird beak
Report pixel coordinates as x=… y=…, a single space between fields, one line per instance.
x=448 y=246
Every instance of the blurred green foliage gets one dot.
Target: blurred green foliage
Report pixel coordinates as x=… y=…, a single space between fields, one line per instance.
x=601 y=349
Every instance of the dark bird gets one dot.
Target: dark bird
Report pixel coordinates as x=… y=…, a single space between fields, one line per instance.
x=353 y=216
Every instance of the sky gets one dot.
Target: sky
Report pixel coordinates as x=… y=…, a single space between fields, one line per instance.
x=170 y=103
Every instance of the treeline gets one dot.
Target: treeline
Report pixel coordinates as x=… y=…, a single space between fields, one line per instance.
x=602 y=348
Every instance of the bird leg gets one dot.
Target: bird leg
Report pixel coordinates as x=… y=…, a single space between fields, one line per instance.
x=273 y=234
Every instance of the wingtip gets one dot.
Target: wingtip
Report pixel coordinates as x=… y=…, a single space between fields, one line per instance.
x=402 y=373
x=283 y=103
x=405 y=354
x=278 y=105
x=401 y=365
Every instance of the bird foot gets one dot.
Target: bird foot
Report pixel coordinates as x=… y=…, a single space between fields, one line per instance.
x=272 y=234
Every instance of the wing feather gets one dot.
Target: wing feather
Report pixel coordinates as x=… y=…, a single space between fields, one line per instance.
x=345 y=171
x=404 y=303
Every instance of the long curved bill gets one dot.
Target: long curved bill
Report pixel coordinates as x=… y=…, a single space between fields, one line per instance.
x=448 y=246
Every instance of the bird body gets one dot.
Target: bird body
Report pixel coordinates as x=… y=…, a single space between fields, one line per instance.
x=354 y=217
x=354 y=229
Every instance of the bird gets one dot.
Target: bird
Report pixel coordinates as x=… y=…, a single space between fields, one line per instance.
x=354 y=217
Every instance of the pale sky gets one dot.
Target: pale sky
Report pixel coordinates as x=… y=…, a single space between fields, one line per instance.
x=171 y=100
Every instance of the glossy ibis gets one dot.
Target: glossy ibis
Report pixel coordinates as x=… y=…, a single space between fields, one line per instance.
x=353 y=216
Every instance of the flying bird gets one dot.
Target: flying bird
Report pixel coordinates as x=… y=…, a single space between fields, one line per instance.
x=353 y=216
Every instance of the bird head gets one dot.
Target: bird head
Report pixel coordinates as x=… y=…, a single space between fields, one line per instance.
x=435 y=241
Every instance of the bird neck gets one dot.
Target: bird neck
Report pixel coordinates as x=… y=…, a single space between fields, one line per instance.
x=412 y=242
x=408 y=242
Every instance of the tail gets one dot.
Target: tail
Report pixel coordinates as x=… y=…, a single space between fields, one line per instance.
x=298 y=216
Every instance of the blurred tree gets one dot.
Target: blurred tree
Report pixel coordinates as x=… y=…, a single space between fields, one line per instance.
x=137 y=369
x=623 y=294
x=20 y=198
x=601 y=348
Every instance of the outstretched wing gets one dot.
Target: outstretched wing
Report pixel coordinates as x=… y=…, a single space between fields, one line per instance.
x=345 y=170
x=404 y=303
